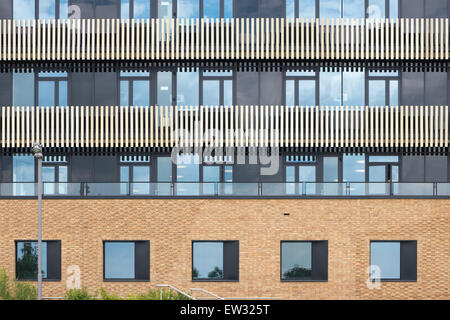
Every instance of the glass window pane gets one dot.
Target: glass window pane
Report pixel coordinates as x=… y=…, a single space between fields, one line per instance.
x=47 y=9
x=300 y=73
x=125 y=9
x=210 y=174
x=393 y=93
x=228 y=93
x=393 y=9
x=377 y=173
x=377 y=93
x=164 y=88
x=141 y=9
x=187 y=88
x=211 y=93
x=307 y=174
x=211 y=8
x=165 y=8
x=228 y=9
x=124 y=179
x=354 y=168
x=353 y=9
x=164 y=175
x=23 y=9
x=27 y=258
x=23 y=89
x=124 y=93
x=188 y=171
x=386 y=256
x=353 y=88
x=330 y=169
x=62 y=93
x=296 y=260
x=330 y=88
x=330 y=9
x=63 y=5
x=207 y=260
x=49 y=177
x=290 y=9
x=119 y=260
x=63 y=177
x=307 y=8
x=376 y=9
x=290 y=92
x=307 y=92
x=46 y=93
x=23 y=171
x=383 y=158
x=141 y=92
x=188 y=9
x=141 y=179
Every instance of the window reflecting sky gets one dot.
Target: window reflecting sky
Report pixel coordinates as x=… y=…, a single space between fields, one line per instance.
x=211 y=92
x=211 y=8
x=330 y=88
x=353 y=88
x=207 y=256
x=164 y=88
x=307 y=92
x=377 y=93
x=47 y=9
x=119 y=260
x=330 y=169
x=23 y=89
x=354 y=168
x=386 y=255
x=295 y=254
x=330 y=9
x=23 y=9
x=141 y=9
x=188 y=9
x=353 y=9
x=187 y=88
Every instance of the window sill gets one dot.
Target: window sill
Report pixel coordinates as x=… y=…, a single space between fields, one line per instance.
x=213 y=280
x=124 y=280
x=286 y=280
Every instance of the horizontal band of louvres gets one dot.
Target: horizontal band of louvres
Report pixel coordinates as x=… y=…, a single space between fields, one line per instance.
x=245 y=38
x=226 y=126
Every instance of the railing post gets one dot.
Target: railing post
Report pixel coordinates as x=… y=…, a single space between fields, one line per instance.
x=172 y=189
x=391 y=188
x=259 y=189
x=216 y=189
x=347 y=188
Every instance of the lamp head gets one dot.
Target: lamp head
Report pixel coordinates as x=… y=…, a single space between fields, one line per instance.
x=37 y=150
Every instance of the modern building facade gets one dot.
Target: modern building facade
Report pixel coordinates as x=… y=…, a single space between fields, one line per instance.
x=294 y=149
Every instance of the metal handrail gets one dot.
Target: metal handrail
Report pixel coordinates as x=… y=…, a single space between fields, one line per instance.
x=208 y=292
x=173 y=288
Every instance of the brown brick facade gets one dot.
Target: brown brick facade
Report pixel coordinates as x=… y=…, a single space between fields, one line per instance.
x=259 y=225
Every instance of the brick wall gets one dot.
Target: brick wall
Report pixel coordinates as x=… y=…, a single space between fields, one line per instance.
x=259 y=225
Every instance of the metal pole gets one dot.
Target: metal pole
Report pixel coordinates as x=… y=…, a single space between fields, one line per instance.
x=39 y=194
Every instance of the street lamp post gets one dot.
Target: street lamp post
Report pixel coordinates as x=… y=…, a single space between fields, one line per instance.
x=37 y=152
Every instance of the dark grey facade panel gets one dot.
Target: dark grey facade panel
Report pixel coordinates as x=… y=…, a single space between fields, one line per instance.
x=246 y=9
x=247 y=88
x=142 y=260
x=82 y=88
x=81 y=168
x=86 y=8
x=271 y=8
x=271 y=84
x=105 y=89
x=436 y=168
x=436 y=88
x=6 y=9
x=413 y=169
x=436 y=8
x=231 y=260
x=6 y=89
x=106 y=169
x=54 y=260
x=408 y=260
x=413 y=89
x=319 y=261
x=105 y=9
x=412 y=8
x=6 y=168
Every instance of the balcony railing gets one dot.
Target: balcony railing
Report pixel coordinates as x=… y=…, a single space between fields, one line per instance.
x=228 y=189
x=246 y=38
x=226 y=126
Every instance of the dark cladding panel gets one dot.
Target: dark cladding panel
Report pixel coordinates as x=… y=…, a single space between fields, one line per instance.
x=412 y=8
x=105 y=9
x=142 y=260
x=231 y=260
x=86 y=8
x=81 y=84
x=412 y=168
x=82 y=168
x=6 y=89
x=106 y=169
x=247 y=88
x=436 y=168
x=271 y=88
x=6 y=168
x=6 y=9
x=436 y=9
x=105 y=89
x=408 y=260
x=246 y=9
x=436 y=88
x=319 y=261
x=413 y=89
x=54 y=260
x=271 y=9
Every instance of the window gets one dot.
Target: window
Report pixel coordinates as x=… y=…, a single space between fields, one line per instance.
x=301 y=174
x=134 y=88
x=393 y=260
x=164 y=175
x=187 y=88
x=23 y=89
x=55 y=175
x=135 y=9
x=135 y=175
x=23 y=175
x=382 y=9
x=215 y=260
x=164 y=80
x=217 y=88
x=126 y=260
x=301 y=88
x=214 y=175
x=301 y=9
x=383 y=169
x=341 y=87
x=204 y=8
x=354 y=171
x=52 y=89
x=383 y=88
x=304 y=260
x=165 y=8
x=40 y=9
x=188 y=173
x=27 y=260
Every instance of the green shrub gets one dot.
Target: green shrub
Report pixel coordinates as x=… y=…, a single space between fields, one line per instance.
x=78 y=294
x=155 y=294
x=106 y=296
x=24 y=291
x=5 y=289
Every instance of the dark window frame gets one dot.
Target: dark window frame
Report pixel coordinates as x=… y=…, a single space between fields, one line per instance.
x=399 y=279
x=214 y=280
x=312 y=260
x=125 y=279
x=16 y=242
